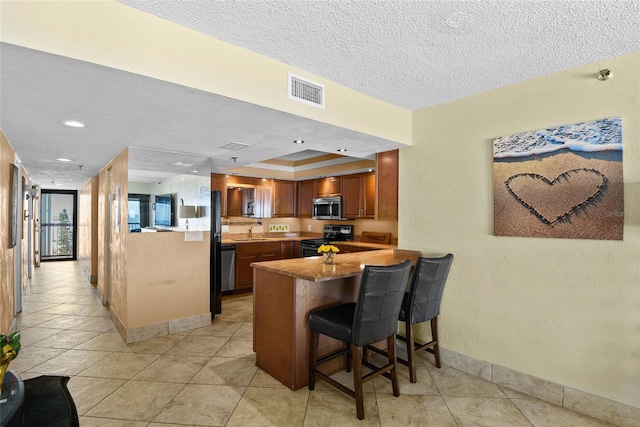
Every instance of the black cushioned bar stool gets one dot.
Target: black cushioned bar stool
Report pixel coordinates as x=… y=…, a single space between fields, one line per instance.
x=422 y=303
x=372 y=318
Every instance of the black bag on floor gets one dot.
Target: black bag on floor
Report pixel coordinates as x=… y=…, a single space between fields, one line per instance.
x=47 y=402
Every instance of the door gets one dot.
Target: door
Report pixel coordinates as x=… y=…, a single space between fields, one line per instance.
x=18 y=247
x=58 y=226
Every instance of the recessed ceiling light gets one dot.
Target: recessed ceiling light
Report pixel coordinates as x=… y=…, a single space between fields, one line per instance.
x=73 y=123
x=298 y=141
x=342 y=150
x=62 y=159
x=194 y=171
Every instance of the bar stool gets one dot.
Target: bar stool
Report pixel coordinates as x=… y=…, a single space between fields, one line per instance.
x=372 y=318
x=422 y=303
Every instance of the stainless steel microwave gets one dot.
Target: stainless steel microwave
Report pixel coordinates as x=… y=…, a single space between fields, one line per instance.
x=327 y=208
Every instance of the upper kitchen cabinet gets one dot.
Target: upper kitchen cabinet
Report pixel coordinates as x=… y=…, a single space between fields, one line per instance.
x=305 y=198
x=243 y=196
x=387 y=176
x=284 y=198
x=329 y=187
x=359 y=195
x=240 y=201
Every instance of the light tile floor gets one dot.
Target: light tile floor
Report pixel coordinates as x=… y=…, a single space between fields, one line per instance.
x=208 y=377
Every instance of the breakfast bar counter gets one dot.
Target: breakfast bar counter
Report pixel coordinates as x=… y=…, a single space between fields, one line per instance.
x=286 y=291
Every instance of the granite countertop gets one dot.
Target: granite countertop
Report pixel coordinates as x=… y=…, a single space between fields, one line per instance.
x=240 y=239
x=347 y=265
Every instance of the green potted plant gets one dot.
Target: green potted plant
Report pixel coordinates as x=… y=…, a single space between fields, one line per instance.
x=10 y=347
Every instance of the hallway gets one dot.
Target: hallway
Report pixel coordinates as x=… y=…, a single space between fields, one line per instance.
x=208 y=377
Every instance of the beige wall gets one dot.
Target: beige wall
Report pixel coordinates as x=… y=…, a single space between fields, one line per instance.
x=167 y=277
x=7 y=255
x=564 y=310
x=7 y=261
x=88 y=228
x=111 y=176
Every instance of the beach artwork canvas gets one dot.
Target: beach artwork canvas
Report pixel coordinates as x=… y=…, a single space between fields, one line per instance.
x=562 y=182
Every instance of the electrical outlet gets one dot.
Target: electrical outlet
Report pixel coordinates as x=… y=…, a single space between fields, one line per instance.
x=308 y=227
x=225 y=228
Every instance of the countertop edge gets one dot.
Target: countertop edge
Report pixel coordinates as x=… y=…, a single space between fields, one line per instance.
x=347 y=265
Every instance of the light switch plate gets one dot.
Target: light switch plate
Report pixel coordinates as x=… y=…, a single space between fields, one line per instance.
x=193 y=236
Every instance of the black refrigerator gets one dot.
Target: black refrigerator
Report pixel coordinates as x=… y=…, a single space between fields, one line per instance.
x=215 y=255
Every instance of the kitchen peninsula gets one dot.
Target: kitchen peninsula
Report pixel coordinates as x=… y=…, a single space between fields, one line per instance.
x=286 y=291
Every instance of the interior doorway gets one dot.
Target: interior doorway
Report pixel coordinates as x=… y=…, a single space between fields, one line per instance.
x=58 y=225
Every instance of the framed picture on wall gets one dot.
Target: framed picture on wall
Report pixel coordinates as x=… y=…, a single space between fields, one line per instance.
x=13 y=206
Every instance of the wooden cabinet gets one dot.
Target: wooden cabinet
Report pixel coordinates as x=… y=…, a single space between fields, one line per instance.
x=244 y=272
x=329 y=187
x=246 y=253
x=387 y=170
x=369 y=195
x=286 y=250
x=234 y=202
x=359 y=195
x=284 y=198
x=305 y=198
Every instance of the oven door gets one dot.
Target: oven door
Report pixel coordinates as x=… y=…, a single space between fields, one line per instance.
x=306 y=251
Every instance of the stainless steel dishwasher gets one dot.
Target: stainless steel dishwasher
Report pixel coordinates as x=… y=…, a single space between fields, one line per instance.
x=228 y=262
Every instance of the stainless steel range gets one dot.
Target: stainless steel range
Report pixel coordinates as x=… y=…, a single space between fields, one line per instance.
x=331 y=233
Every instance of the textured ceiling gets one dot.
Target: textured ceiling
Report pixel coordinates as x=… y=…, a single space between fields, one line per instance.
x=416 y=54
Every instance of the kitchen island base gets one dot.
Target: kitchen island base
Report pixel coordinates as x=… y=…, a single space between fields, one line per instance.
x=281 y=335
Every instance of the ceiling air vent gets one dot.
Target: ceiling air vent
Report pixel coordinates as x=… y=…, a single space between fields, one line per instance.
x=235 y=146
x=306 y=91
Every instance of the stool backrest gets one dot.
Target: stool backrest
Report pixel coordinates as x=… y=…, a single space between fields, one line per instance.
x=425 y=292
x=379 y=301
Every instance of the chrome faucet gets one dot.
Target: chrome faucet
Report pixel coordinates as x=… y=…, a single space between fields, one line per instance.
x=251 y=232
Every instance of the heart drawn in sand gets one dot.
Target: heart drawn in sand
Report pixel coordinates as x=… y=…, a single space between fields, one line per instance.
x=554 y=201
